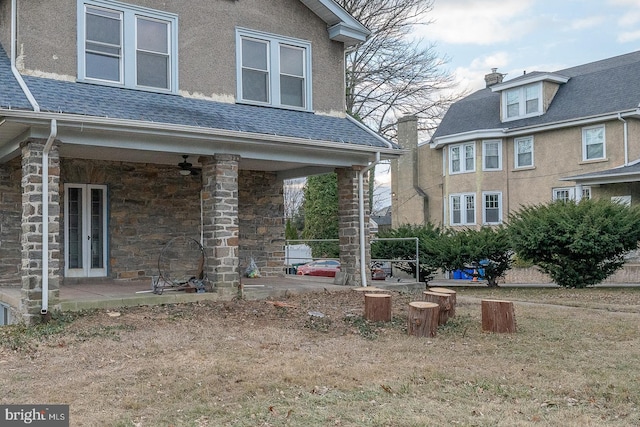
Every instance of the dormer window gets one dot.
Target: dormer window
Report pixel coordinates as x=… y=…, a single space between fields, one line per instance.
x=524 y=101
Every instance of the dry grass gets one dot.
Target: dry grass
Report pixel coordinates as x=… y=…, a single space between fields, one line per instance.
x=255 y=363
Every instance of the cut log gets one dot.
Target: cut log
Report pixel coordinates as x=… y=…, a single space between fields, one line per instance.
x=452 y=298
x=377 y=307
x=368 y=289
x=498 y=316
x=443 y=300
x=423 y=318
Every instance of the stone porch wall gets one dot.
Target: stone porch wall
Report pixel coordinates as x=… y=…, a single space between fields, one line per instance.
x=261 y=216
x=10 y=223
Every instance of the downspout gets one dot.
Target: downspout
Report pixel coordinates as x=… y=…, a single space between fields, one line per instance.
x=45 y=217
x=363 y=267
x=14 y=70
x=625 y=139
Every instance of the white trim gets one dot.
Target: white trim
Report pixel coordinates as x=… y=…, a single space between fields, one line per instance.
x=484 y=206
x=273 y=43
x=516 y=163
x=584 y=142
x=128 y=55
x=530 y=79
x=463 y=198
x=462 y=158
x=484 y=154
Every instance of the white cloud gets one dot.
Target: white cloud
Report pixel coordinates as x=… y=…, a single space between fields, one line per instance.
x=478 y=22
x=586 y=23
x=629 y=36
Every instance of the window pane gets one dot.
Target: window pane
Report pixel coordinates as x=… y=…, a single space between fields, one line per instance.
x=255 y=85
x=595 y=151
x=531 y=96
x=524 y=159
x=153 y=36
x=532 y=106
x=103 y=26
x=469 y=158
x=492 y=156
x=292 y=61
x=254 y=54
x=97 y=222
x=492 y=208
x=152 y=70
x=470 y=210
x=455 y=210
x=102 y=67
x=292 y=91
x=74 y=215
x=455 y=159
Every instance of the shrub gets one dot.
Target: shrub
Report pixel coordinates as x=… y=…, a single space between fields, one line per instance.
x=578 y=244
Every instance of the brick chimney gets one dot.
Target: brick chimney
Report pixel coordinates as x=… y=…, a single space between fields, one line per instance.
x=493 y=78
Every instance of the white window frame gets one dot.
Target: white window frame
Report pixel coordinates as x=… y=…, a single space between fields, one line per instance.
x=274 y=43
x=571 y=193
x=464 y=199
x=463 y=158
x=486 y=143
x=486 y=194
x=516 y=152
x=128 y=39
x=585 y=132
x=523 y=97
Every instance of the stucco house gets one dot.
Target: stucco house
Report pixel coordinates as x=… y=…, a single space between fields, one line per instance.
x=531 y=139
x=124 y=124
x=534 y=138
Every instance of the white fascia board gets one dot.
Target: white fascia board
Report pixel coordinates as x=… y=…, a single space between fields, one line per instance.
x=343 y=26
x=534 y=78
x=87 y=123
x=604 y=179
x=467 y=136
x=528 y=130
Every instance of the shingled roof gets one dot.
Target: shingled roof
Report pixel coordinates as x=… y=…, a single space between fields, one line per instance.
x=84 y=99
x=603 y=87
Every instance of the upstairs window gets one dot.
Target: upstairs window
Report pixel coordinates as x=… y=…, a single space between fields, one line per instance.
x=593 y=143
x=520 y=102
x=523 y=151
x=492 y=155
x=127 y=45
x=569 y=193
x=273 y=70
x=462 y=158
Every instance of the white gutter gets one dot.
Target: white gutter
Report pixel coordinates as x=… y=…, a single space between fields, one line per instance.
x=626 y=141
x=363 y=254
x=45 y=217
x=14 y=70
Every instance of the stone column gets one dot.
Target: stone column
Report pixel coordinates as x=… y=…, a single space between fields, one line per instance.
x=10 y=223
x=220 y=222
x=32 y=229
x=349 y=224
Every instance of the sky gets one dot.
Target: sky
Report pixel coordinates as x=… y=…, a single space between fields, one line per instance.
x=515 y=36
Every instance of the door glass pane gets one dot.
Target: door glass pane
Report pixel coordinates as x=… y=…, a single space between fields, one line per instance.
x=97 y=230
x=75 y=227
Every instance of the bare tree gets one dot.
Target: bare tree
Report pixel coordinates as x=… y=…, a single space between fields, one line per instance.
x=391 y=74
x=293 y=197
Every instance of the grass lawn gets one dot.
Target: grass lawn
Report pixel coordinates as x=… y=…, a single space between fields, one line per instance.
x=574 y=361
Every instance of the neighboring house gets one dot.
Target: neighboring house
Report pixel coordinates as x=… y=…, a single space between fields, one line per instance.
x=147 y=120
x=537 y=137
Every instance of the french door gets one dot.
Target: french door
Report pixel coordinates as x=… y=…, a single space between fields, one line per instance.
x=85 y=236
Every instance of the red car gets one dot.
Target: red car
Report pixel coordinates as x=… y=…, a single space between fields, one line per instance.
x=325 y=267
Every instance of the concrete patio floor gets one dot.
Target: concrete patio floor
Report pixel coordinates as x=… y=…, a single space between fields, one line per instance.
x=109 y=294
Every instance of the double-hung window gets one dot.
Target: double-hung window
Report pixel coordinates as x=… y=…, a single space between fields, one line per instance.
x=520 y=102
x=273 y=70
x=523 y=149
x=463 y=209
x=492 y=155
x=127 y=45
x=462 y=158
x=492 y=207
x=569 y=193
x=593 y=143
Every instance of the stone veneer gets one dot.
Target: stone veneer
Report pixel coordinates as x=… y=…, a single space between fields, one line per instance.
x=10 y=220
x=349 y=224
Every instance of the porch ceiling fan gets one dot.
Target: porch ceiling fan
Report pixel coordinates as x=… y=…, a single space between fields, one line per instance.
x=186 y=168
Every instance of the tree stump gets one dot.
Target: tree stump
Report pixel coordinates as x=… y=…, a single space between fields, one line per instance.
x=452 y=298
x=498 y=316
x=443 y=300
x=423 y=318
x=377 y=307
